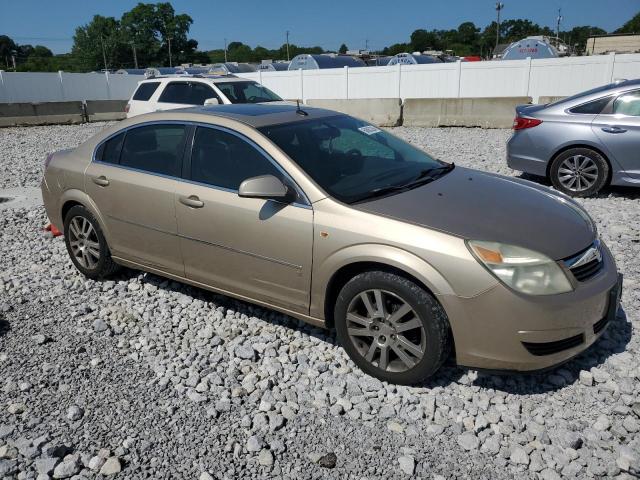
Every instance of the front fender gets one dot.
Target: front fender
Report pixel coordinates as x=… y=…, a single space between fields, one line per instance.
x=373 y=253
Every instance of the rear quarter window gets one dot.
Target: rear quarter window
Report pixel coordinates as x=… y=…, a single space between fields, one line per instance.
x=595 y=107
x=109 y=151
x=145 y=91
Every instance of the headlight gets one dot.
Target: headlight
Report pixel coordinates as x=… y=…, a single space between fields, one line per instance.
x=522 y=269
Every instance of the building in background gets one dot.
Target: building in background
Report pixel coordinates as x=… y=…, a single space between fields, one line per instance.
x=622 y=43
x=415 y=58
x=307 y=61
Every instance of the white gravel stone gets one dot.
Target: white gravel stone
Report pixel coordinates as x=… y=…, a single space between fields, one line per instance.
x=111 y=466
x=265 y=457
x=468 y=441
x=407 y=464
x=75 y=413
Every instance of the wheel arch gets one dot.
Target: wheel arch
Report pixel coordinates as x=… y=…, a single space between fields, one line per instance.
x=73 y=197
x=347 y=263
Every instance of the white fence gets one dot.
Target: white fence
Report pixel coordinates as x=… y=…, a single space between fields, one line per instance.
x=17 y=87
x=513 y=78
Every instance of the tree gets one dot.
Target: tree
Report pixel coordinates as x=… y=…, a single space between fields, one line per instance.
x=577 y=36
x=425 y=40
x=7 y=50
x=632 y=26
x=343 y=49
x=97 y=42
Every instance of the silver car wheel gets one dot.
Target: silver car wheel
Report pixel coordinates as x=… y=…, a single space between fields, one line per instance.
x=84 y=243
x=578 y=173
x=385 y=330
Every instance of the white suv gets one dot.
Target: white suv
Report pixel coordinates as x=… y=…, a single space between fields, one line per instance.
x=171 y=92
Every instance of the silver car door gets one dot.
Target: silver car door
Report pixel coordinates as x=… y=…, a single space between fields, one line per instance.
x=619 y=131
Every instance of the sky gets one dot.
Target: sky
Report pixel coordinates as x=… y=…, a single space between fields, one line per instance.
x=327 y=23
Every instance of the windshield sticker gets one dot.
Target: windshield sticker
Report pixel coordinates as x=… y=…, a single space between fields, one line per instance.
x=369 y=129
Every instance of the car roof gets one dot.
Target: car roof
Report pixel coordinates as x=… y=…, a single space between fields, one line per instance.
x=198 y=78
x=593 y=94
x=254 y=115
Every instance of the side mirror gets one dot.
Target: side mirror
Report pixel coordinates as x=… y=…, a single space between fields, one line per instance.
x=267 y=187
x=212 y=101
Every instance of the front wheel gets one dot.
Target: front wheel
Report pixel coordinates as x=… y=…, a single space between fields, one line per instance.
x=391 y=328
x=579 y=172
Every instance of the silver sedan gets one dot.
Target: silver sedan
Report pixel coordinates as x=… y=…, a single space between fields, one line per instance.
x=581 y=143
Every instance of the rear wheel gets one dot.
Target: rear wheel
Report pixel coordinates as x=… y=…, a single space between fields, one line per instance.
x=391 y=328
x=86 y=244
x=579 y=172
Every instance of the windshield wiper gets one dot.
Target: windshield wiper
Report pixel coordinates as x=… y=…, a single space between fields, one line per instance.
x=433 y=173
x=424 y=177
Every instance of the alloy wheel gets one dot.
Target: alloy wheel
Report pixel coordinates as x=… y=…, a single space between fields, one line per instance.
x=578 y=173
x=385 y=330
x=84 y=243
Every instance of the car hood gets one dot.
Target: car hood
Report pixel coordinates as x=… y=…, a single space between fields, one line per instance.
x=483 y=206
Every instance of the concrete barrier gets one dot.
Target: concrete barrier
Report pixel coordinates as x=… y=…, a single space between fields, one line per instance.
x=495 y=112
x=45 y=113
x=549 y=99
x=102 y=110
x=385 y=112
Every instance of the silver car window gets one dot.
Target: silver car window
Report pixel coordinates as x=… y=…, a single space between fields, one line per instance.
x=628 y=104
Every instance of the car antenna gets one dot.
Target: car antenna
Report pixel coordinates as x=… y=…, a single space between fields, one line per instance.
x=299 y=111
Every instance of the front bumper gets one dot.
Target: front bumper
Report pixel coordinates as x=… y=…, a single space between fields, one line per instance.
x=503 y=330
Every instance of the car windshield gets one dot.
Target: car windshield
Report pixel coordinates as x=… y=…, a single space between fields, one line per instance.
x=247 y=92
x=352 y=160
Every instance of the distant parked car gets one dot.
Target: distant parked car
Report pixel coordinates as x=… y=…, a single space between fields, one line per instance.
x=171 y=92
x=581 y=143
x=339 y=223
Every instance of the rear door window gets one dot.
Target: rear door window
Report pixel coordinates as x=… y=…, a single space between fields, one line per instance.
x=109 y=151
x=176 y=92
x=155 y=148
x=145 y=91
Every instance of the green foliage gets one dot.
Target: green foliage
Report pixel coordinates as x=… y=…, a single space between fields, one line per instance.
x=632 y=26
x=343 y=49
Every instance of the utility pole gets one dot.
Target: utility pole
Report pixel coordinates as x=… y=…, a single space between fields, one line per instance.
x=499 y=7
x=135 y=57
x=287 y=45
x=559 y=19
x=225 y=50
x=104 y=54
x=169 y=40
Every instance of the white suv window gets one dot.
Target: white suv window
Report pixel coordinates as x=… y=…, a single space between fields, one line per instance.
x=188 y=93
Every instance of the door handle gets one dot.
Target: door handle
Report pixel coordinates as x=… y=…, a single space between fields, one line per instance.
x=614 y=129
x=192 y=201
x=101 y=180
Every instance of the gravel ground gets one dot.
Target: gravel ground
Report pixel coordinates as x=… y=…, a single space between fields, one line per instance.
x=139 y=377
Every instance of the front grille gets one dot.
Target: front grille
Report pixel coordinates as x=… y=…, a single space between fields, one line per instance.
x=587 y=263
x=586 y=271
x=549 y=348
x=600 y=325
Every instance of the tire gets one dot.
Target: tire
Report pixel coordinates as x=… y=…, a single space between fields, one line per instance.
x=585 y=167
x=92 y=258
x=413 y=307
